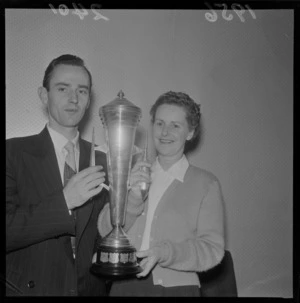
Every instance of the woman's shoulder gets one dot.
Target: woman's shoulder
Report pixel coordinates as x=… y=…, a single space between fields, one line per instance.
x=195 y=172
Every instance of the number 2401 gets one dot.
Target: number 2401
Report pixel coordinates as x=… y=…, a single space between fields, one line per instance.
x=81 y=12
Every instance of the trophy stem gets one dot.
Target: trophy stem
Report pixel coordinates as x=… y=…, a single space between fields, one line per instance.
x=116 y=238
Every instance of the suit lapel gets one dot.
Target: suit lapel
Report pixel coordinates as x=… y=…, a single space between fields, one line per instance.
x=41 y=160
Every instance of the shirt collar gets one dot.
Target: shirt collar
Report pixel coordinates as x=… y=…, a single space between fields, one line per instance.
x=176 y=171
x=60 y=141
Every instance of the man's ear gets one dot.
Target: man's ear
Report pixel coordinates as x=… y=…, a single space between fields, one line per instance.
x=43 y=94
x=88 y=104
x=90 y=100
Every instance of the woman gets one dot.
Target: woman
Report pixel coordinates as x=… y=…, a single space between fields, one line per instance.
x=179 y=229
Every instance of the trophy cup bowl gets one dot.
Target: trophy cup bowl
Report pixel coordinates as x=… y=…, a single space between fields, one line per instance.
x=115 y=254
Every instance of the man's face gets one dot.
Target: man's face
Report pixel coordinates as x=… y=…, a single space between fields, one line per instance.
x=68 y=96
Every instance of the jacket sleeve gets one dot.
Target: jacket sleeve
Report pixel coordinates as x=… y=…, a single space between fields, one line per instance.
x=206 y=249
x=29 y=221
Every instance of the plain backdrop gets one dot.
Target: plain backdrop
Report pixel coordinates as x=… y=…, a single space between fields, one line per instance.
x=240 y=70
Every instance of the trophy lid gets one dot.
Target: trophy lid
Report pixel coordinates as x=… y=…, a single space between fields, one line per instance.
x=120 y=102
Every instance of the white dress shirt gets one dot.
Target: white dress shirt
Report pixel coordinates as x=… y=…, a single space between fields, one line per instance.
x=59 y=142
x=160 y=181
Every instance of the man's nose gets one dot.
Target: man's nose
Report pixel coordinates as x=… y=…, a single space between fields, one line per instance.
x=73 y=97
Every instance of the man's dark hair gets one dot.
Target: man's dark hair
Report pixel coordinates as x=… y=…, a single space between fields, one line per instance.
x=67 y=60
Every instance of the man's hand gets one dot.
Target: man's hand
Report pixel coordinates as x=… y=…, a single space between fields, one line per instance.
x=84 y=185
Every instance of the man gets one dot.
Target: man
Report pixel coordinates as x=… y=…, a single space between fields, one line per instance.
x=51 y=221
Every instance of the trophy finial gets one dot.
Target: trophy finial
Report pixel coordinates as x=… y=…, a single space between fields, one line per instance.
x=120 y=94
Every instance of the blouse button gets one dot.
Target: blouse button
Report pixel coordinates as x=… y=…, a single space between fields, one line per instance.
x=159 y=281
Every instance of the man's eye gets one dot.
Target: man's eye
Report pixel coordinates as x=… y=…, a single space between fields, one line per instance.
x=61 y=89
x=83 y=92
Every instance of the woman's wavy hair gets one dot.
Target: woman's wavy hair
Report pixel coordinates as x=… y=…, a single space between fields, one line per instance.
x=191 y=108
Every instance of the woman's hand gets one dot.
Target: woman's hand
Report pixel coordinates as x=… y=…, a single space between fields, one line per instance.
x=151 y=257
x=138 y=175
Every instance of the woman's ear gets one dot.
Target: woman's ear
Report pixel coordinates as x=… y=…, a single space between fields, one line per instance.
x=43 y=94
x=190 y=135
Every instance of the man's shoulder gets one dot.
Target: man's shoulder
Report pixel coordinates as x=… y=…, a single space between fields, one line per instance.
x=21 y=141
x=17 y=145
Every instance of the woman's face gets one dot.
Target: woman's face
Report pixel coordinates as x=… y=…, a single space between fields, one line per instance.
x=170 y=131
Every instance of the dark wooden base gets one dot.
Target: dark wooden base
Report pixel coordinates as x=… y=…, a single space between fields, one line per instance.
x=115 y=271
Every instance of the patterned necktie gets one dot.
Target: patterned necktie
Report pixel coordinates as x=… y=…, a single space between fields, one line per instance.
x=69 y=171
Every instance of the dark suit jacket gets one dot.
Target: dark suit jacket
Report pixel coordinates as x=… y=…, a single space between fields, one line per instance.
x=38 y=225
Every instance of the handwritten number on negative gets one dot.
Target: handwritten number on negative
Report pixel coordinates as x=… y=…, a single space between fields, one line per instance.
x=80 y=12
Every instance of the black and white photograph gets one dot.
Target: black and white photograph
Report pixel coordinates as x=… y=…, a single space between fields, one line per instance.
x=149 y=152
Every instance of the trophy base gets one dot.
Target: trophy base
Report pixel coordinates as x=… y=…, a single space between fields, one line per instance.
x=116 y=262
x=116 y=256
x=117 y=271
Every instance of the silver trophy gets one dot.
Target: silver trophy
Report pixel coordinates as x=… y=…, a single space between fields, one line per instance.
x=115 y=255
